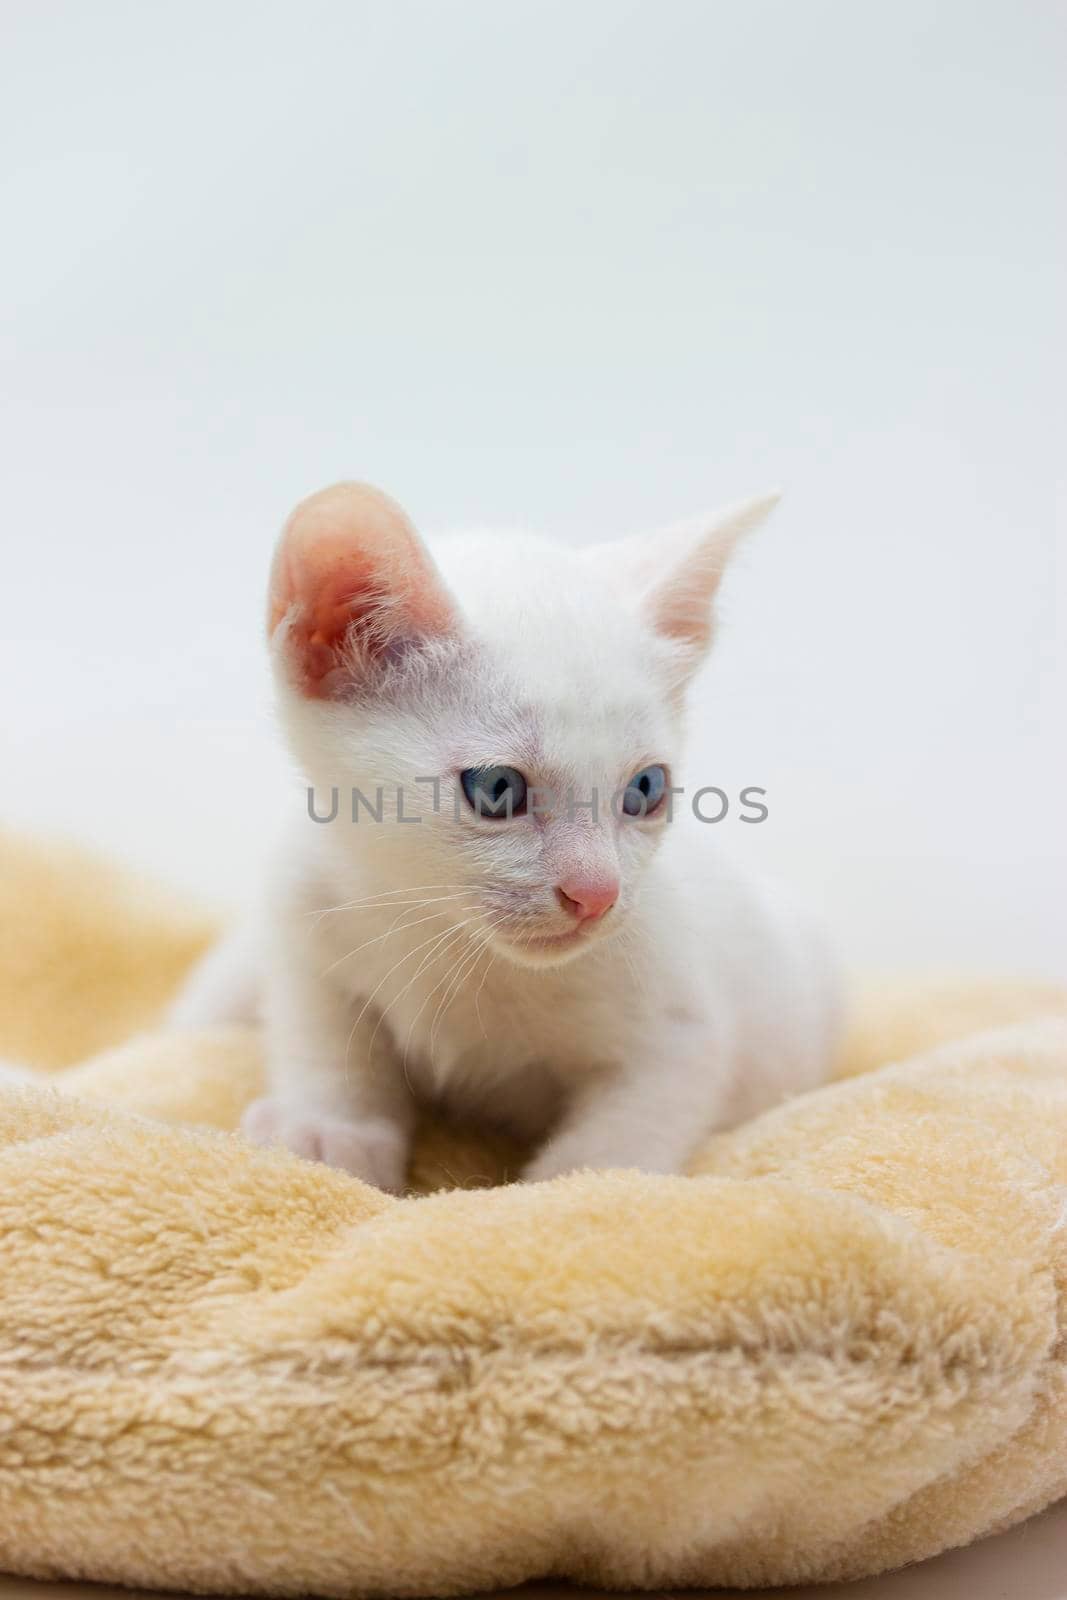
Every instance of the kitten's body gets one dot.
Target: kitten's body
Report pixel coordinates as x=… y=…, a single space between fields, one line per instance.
x=710 y=1004
x=441 y=960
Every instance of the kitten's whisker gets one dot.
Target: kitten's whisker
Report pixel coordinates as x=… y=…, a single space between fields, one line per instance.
x=429 y=997
x=395 y=927
x=426 y=962
x=464 y=966
x=425 y=1002
x=445 y=939
x=400 y=888
x=486 y=948
x=386 y=897
x=478 y=994
x=625 y=941
x=433 y=938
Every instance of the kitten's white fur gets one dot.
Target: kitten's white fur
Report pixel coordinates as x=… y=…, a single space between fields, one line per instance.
x=397 y=958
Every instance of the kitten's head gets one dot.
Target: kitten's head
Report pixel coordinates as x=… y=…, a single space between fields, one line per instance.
x=522 y=701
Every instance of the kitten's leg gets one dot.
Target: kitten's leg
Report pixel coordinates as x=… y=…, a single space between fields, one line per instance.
x=650 y=1116
x=223 y=986
x=336 y=1095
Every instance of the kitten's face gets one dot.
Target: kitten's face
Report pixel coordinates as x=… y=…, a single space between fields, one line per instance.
x=521 y=701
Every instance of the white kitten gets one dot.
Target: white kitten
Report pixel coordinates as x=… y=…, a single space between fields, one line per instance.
x=603 y=982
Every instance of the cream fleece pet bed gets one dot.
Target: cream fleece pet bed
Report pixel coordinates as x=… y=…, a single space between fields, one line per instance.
x=839 y=1347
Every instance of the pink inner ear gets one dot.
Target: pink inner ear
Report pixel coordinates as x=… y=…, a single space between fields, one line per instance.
x=682 y=611
x=350 y=569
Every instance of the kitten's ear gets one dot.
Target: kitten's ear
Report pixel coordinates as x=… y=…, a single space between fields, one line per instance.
x=352 y=585
x=678 y=571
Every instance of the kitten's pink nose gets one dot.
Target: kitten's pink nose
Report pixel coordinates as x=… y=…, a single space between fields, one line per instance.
x=588 y=898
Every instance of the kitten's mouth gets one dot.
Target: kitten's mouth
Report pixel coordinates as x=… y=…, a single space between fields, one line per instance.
x=556 y=941
x=544 y=948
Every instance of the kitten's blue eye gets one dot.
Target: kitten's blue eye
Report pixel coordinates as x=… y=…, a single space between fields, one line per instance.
x=495 y=791
x=644 y=791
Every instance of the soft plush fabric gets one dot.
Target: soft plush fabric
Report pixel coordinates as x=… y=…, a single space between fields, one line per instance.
x=837 y=1347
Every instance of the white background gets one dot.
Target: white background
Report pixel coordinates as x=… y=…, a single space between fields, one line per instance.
x=587 y=266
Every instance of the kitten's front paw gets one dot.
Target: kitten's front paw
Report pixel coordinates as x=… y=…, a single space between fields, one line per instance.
x=374 y=1149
